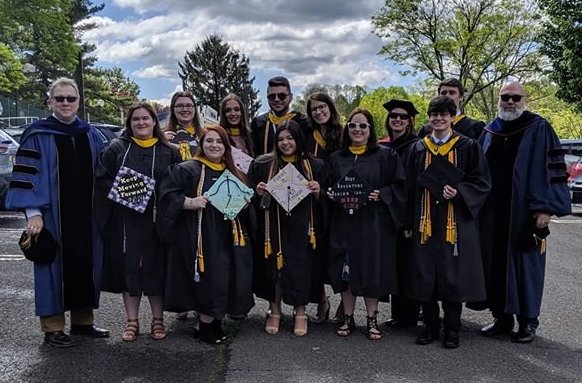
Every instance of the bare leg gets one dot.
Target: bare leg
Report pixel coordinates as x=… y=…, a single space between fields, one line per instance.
x=372 y=324
x=300 y=326
x=274 y=314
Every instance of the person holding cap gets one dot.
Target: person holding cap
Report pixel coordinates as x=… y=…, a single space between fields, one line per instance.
x=448 y=182
x=400 y=127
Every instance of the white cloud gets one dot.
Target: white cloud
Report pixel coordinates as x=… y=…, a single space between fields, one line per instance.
x=155 y=71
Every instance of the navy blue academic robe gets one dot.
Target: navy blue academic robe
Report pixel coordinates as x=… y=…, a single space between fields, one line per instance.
x=534 y=182
x=36 y=184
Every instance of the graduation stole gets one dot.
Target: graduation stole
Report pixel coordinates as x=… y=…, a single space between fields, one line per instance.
x=273 y=119
x=234 y=132
x=148 y=143
x=358 y=150
x=312 y=239
x=319 y=141
x=237 y=231
x=457 y=119
x=425 y=229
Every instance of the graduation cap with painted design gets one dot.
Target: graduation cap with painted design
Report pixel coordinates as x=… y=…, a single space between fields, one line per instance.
x=229 y=195
x=351 y=192
x=288 y=187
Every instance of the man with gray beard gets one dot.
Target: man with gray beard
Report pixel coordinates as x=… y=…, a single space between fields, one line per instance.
x=528 y=177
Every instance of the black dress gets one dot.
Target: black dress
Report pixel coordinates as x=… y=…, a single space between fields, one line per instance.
x=225 y=285
x=366 y=241
x=293 y=229
x=134 y=258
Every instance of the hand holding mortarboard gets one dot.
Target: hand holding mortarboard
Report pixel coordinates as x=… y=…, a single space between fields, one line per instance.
x=439 y=173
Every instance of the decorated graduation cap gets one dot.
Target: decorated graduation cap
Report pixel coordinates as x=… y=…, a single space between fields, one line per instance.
x=132 y=189
x=351 y=192
x=288 y=187
x=402 y=104
x=229 y=195
x=40 y=249
x=241 y=159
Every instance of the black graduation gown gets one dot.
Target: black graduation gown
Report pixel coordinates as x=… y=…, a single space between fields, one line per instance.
x=225 y=286
x=367 y=239
x=261 y=127
x=298 y=254
x=435 y=272
x=140 y=268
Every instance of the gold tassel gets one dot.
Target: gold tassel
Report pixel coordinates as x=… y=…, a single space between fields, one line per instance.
x=235 y=237
x=268 y=248
x=242 y=241
x=279 y=260
x=185 y=152
x=312 y=238
x=543 y=246
x=201 y=262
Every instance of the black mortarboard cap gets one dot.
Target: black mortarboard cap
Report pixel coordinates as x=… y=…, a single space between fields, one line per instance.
x=534 y=235
x=40 y=249
x=439 y=173
x=403 y=104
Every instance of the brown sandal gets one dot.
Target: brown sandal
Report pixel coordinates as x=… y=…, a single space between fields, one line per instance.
x=300 y=325
x=158 y=330
x=131 y=330
x=272 y=323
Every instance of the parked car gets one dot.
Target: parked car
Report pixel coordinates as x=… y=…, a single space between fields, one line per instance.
x=576 y=188
x=8 y=148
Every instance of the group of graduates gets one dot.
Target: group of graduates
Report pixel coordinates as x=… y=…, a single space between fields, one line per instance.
x=441 y=218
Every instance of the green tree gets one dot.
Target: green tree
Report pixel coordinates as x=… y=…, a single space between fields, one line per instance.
x=39 y=33
x=214 y=69
x=481 y=42
x=345 y=97
x=561 y=41
x=108 y=94
x=11 y=76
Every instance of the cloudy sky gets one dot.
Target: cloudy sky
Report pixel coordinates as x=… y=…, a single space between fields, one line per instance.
x=306 y=40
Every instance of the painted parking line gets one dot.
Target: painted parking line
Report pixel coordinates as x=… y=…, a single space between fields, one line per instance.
x=11 y=257
x=566 y=220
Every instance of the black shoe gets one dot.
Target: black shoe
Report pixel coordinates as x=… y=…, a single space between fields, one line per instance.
x=428 y=335
x=89 y=330
x=498 y=326
x=207 y=334
x=451 y=339
x=58 y=339
x=396 y=323
x=526 y=334
x=218 y=330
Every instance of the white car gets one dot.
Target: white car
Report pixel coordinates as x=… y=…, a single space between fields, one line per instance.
x=8 y=148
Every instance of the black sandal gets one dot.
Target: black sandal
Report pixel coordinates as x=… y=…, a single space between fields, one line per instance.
x=373 y=332
x=346 y=327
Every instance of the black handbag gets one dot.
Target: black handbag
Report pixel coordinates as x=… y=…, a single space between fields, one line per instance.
x=40 y=249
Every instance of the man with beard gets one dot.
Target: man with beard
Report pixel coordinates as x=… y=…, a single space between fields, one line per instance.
x=264 y=126
x=453 y=88
x=528 y=177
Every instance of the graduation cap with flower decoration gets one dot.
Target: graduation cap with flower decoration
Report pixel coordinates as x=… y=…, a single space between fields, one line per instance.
x=351 y=191
x=288 y=187
x=229 y=195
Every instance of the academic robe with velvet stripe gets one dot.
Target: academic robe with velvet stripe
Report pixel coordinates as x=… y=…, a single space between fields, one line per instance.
x=54 y=173
x=134 y=258
x=298 y=255
x=438 y=269
x=225 y=285
x=367 y=239
x=529 y=175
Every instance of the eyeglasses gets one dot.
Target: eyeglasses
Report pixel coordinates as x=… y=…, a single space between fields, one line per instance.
x=63 y=98
x=394 y=115
x=281 y=96
x=439 y=114
x=361 y=125
x=514 y=97
x=318 y=108
x=184 y=106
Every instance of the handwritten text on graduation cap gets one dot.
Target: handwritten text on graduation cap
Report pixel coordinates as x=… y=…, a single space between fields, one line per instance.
x=132 y=189
x=288 y=187
x=350 y=192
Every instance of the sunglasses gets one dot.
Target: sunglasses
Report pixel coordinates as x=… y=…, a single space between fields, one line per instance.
x=361 y=125
x=281 y=96
x=394 y=115
x=514 y=97
x=63 y=98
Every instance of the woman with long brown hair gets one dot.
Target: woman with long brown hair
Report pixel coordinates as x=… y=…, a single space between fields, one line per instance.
x=210 y=260
x=291 y=240
x=184 y=128
x=134 y=257
x=233 y=118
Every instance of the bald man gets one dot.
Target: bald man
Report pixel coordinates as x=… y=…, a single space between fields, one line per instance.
x=528 y=176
